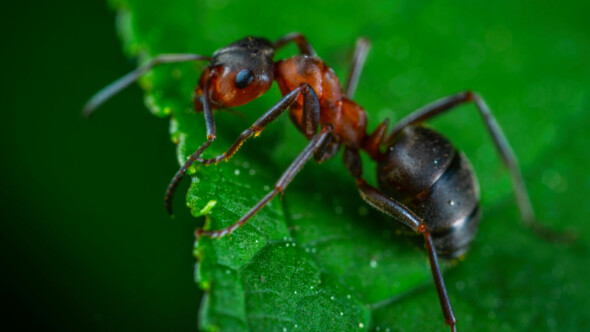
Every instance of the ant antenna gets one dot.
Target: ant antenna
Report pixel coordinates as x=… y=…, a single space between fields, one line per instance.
x=361 y=50
x=117 y=86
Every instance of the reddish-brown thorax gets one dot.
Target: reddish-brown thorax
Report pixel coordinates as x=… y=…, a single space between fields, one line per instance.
x=348 y=119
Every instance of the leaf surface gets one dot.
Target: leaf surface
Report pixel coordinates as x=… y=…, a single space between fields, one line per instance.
x=320 y=258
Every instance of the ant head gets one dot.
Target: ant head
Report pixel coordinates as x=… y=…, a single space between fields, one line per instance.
x=237 y=74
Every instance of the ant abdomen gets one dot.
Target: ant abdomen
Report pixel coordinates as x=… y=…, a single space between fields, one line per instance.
x=423 y=170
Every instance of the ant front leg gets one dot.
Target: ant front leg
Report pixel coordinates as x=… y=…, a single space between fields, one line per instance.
x=211 y=136
x=311 y=116
x=507 y=154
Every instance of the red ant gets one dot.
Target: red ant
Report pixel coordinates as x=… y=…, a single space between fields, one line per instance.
x=423 y=181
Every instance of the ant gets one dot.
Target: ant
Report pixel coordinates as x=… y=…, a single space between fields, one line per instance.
x=423 y=181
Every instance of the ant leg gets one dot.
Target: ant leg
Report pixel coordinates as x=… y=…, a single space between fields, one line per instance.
x=507 y=154
x=211 y=136
x=311 y=112
x=327 y=150
x=401 y=213
x=316 y=143
x=372 y=143
x=299 y=39
x=311 y=118
x=363 y=44
x=117 y=86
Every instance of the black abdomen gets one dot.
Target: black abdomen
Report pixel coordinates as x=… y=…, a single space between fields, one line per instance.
x=423 y=170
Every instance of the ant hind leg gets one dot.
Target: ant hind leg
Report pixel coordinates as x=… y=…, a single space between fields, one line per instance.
x=506 y=153
x=401 y=213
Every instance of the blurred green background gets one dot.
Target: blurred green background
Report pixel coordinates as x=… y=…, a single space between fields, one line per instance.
x=86 y=242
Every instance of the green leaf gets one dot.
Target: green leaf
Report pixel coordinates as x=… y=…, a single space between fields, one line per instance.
x=319 y=258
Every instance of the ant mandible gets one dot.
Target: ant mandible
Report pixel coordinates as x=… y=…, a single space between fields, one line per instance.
x=423 y=181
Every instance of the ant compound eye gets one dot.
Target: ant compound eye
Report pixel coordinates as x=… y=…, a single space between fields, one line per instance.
x=244 y=78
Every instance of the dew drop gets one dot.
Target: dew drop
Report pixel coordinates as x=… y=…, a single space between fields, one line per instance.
x=361 y=325
x=373 y=263
x=348 y=296
x=266 y=188
x=252 y=172
x=237 y=172
x=452 y=203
